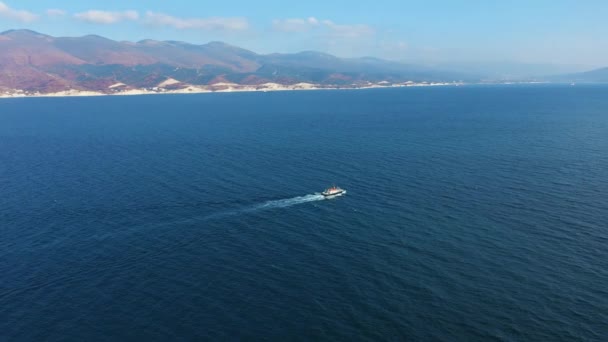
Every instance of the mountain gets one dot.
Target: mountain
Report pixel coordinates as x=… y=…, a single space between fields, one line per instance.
x=593 y=76
x=35 y=62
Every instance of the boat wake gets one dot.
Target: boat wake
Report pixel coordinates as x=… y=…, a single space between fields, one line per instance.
x=281 y=203
x=288 y=202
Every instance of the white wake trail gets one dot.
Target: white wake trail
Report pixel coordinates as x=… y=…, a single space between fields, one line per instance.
x=288 y=202
x=282 y=203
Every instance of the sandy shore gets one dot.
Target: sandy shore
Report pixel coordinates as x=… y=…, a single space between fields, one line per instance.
x=215 y=88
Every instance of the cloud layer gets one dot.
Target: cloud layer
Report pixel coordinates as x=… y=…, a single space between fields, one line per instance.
x=54 y=12
x=292 y=25
x=213 y=23
x=295 y=24
x=19 y=15
x=312 y=23
x=106 y=17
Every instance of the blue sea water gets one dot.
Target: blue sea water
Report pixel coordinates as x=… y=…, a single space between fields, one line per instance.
x=472 y=213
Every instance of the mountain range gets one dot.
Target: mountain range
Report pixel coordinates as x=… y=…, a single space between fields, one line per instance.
x=33 y=62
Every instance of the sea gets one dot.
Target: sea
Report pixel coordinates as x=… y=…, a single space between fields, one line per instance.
x=472 y=213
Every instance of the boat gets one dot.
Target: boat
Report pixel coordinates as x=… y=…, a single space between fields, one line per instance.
x=333 y=191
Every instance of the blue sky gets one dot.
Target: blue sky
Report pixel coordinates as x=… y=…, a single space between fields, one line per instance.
x=432 y=31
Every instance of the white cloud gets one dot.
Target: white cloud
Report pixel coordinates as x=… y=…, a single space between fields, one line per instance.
x=331 y=28
x=348 y=31
x=106 y=17
x=20 y=15
x=295 y=24
x=213 y=23
x=53 y=12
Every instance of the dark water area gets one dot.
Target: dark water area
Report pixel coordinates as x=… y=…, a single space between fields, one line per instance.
x=472 y=213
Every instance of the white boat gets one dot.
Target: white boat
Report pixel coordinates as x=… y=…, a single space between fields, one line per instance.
x=333 y=191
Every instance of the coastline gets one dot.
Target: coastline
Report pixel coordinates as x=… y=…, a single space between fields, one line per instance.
x=216 y=88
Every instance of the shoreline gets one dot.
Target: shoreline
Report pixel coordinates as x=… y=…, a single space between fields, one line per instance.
x=237 y=88
x=216 y=88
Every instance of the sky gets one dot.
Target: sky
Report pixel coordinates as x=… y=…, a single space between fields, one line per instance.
x=570 y=33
